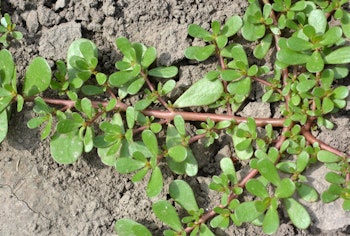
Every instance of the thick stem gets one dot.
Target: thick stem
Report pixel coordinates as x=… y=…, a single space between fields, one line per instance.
x=309 y=137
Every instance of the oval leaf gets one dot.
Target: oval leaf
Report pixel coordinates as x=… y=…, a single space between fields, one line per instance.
x=306 y=192
x=203 y=92
x=73 y=147
x=3 y=125
x=178 y=153
x=256 y=188
x=339 y=56
x=285 y=189
x=155 y=184
x=247 y=212
x=7 y=67
x=37 y=78
x=297 y=213
x=199 y=53
x=150 y=141
x=126 y=227
x=127 y=165
x=271 y=221
x=163 y=72
x=182 y=193
x=318 y=20
x=269 y=171
x=327 y=157
x=167 y=214
x=315 y=63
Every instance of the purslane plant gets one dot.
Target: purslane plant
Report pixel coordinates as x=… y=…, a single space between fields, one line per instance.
x=89 y=111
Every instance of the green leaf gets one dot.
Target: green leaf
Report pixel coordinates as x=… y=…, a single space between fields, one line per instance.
x=346 y=205
x=261 y=49
x=3 y=125
x=125 y=165
x=251 y=31
x=168 y=87
x=203 y=92
x=306 y=85
x=74 y=50
x=327 y=196
x=345 y=23
x=228 y=169
x=7 y=67
x=285 y=189
x=247 y=212
x=306 y=192
x=327 y=157
x=327 y=105
x=178 y=153
x=256 y=188
x=204 y=231
x=341 y=92
x=126 y=227
x=298 y=44
x=92 y=90
x=239 y=54
x=297 y=213
x=180 y=125
x=334 y=178
x=232 y=25
x=221 y=41
x=73 y=147
x=230 y=75
x=122 y=77
x=220 y=221
x=5 y=102
x=111 y=104
x=338 y=56
x=67 y=126
x=199 y=53
x=163 y=72
x=198 y=32
x=88 y=139
x=315 y=63
x=101 y=78
x=302 y=161
x=331 y=36
x=37 y=78
x=269 y=171
x=318 y=20
x=167 y=214
x=155 y=184
x=125 y=47
x=150 y=140
x=271 y=221
x=135 y=86
x=156 y=127
x=182 y=193
x=291 y=57
x=149 y=57
x=36 y=122
x=130 y=117
x=47 y=130
x=86 y=106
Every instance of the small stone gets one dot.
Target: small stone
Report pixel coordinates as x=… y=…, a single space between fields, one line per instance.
x=54 y=42
x=47 y=17
x=256 y=109
x=60 y=4
x=32 y=22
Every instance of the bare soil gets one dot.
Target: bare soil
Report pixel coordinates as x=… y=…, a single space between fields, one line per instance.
x=41 y=197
